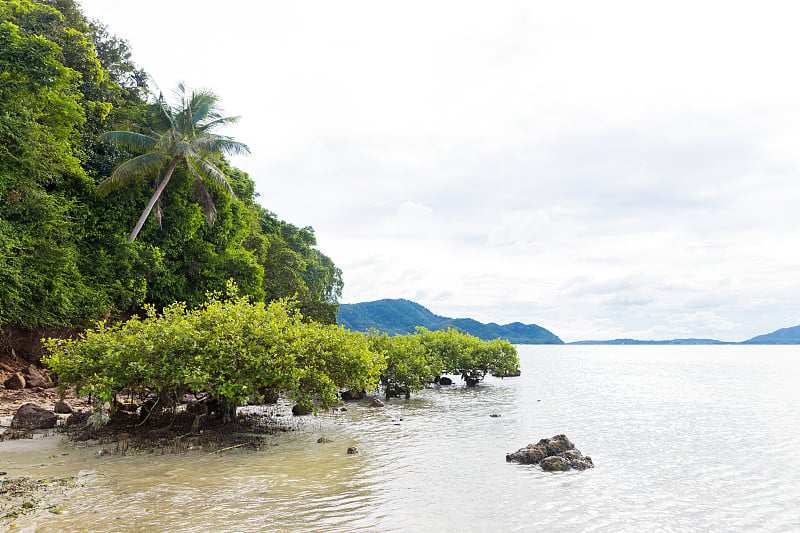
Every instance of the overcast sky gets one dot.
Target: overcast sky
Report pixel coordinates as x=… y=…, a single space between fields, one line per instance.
x=602 y=169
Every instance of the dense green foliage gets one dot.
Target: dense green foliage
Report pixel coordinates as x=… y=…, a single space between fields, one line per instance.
x=64 y=259
x=415 y=360
x=472 y=358
x=403 y=316
x=185 y=138
x=75 y=119
x=408 y=366
x=228 y=348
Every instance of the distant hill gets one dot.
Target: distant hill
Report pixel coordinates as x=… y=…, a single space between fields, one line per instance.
x=398 y=316
x=673 y=341
x=781 y=336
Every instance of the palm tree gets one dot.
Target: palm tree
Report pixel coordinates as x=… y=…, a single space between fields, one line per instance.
x=187 y=138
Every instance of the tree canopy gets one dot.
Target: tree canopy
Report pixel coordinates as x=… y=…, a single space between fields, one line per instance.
x=65 y=260
x=185 y=137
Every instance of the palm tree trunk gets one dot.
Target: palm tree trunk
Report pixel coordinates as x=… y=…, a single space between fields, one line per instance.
x=153 y=199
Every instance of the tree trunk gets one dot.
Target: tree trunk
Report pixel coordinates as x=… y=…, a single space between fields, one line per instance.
x=153 y=199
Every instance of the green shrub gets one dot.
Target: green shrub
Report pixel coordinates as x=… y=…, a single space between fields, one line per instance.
x=229 y=348
x=472 y=358
x=409 y=367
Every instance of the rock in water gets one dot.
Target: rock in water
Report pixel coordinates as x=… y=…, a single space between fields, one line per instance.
x=352 y=450
x=31 y=416
x=376 y=403
x=553 y=455
x=351 y=395
x=299 y=410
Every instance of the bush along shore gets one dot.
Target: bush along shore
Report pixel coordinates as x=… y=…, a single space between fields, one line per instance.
x=174 y=379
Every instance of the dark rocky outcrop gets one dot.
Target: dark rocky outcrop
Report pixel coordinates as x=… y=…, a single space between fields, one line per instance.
x=34 y=378
x=299 y=410
x=351 y=395
x=15 y=382
x=31 y=416
x=444 y=380
x=78 y=419
x=352 y=450
x=63 y=408
x=553 y=455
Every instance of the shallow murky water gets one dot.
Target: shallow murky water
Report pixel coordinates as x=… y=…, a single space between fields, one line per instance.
x=683 y=438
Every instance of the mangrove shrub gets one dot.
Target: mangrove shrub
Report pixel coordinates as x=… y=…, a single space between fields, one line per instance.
x=229 y=349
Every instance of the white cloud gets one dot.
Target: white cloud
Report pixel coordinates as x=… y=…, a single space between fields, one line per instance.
x=604 y=169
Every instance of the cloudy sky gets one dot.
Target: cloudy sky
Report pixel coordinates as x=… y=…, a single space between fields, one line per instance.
x=602 y=169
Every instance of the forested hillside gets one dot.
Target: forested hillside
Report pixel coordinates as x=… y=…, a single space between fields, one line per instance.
x=398 y=316
x=64 y=256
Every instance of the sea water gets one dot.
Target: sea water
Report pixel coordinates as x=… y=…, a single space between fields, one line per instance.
x=683 y=438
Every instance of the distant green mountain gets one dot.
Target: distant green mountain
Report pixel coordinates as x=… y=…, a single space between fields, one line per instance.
x=398 y=316
x=781 y=336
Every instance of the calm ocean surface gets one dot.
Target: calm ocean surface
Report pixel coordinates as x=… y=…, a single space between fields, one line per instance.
x=684 y=438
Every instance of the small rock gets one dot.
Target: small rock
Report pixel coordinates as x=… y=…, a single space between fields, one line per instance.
x=343 y=408
x=352 y=450
x=376 y=403
x=299 y=410
x=351 y=395
x=31 y=416
x=15 y=382
x=78 y=418
x=63 y=408
x=553 y=455
x=34 y=378
x=495 y=415
x=444 y=380
x=323 y=440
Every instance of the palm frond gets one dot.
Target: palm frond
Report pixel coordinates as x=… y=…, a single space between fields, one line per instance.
x=131 y=171
x=186 y=149
x=220 y=144
x=205 y=168
x=200 y=113
x=204 y=197
x=166 y=110
x=132 y=140
x=208 y=126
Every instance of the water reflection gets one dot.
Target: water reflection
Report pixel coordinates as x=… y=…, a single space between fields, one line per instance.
x=666 y=427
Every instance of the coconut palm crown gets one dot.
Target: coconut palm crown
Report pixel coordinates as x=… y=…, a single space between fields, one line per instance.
x=187 y=139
